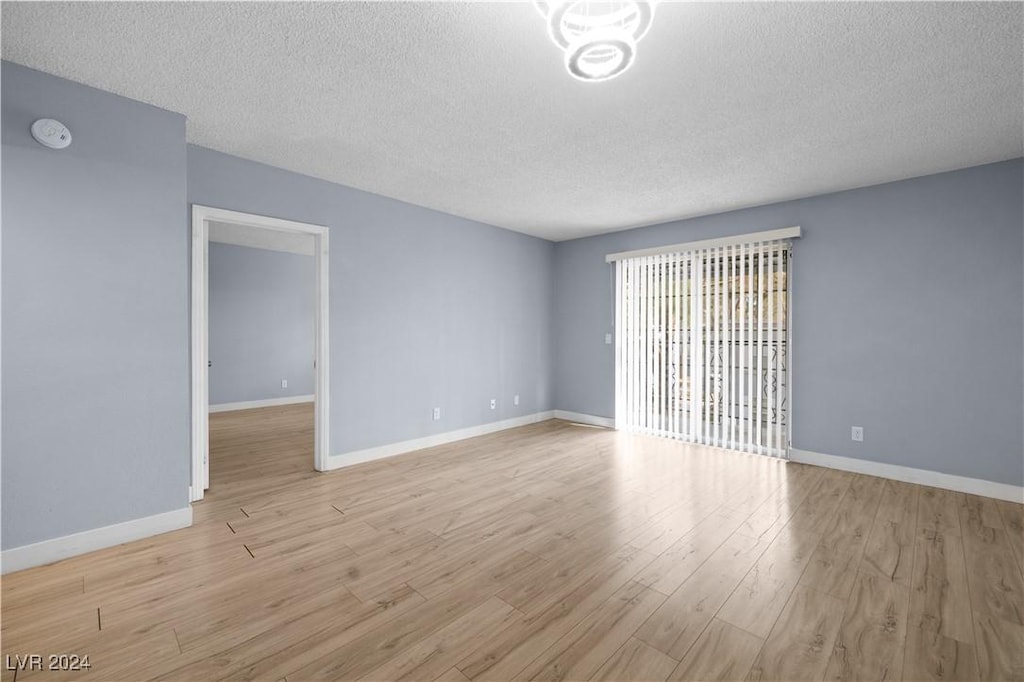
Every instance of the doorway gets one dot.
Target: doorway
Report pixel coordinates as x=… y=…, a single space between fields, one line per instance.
x=268 y=233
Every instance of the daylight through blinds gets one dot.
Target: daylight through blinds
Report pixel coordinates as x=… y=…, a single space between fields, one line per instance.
x=702 y=346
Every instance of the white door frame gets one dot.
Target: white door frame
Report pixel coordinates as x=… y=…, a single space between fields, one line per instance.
x=200 y=450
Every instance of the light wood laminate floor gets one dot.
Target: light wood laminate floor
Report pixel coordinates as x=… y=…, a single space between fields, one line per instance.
x=551 y=551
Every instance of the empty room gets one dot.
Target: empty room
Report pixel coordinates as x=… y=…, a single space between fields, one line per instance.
x=562 y=340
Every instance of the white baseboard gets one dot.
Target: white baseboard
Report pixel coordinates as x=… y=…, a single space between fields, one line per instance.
x=48 y=551
x=269 y=402
x=935 y=479
x=392 y=449
x=607 y=422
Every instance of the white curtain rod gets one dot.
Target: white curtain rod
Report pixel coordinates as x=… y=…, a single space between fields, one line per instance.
x=766 y=236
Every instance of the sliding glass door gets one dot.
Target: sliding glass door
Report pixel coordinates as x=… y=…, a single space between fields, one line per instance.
x=702 y=345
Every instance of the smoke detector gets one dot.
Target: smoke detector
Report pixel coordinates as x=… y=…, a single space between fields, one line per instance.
x=51 y=133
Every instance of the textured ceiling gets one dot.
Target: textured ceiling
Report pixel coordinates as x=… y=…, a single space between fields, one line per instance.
x=467 y=108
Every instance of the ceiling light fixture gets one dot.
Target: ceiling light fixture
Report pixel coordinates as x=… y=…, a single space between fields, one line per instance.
x=599 y=38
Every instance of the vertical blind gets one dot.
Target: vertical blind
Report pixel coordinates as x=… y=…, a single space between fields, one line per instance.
x=702 y=345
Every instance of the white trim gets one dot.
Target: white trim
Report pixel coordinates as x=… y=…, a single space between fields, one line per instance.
x=935 y=479
x=322 y=352
x=223 y=215
x=392 y=449
x=580 y=418
x=202 y=216
x=269 y=402
x=200 y=355
x=48 y=551
x=765 y=236
x=620 y=380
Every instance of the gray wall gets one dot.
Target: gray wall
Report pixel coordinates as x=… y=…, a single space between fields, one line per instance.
x=907 y=314
x=261 y=323
x=95 y=344
x=426 y=309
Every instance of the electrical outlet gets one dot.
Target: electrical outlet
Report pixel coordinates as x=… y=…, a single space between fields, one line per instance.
x=437 y=413
x=494 y=403
x=284 y=383
x=608 y=339
x=515 y=399
x=857 y=433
